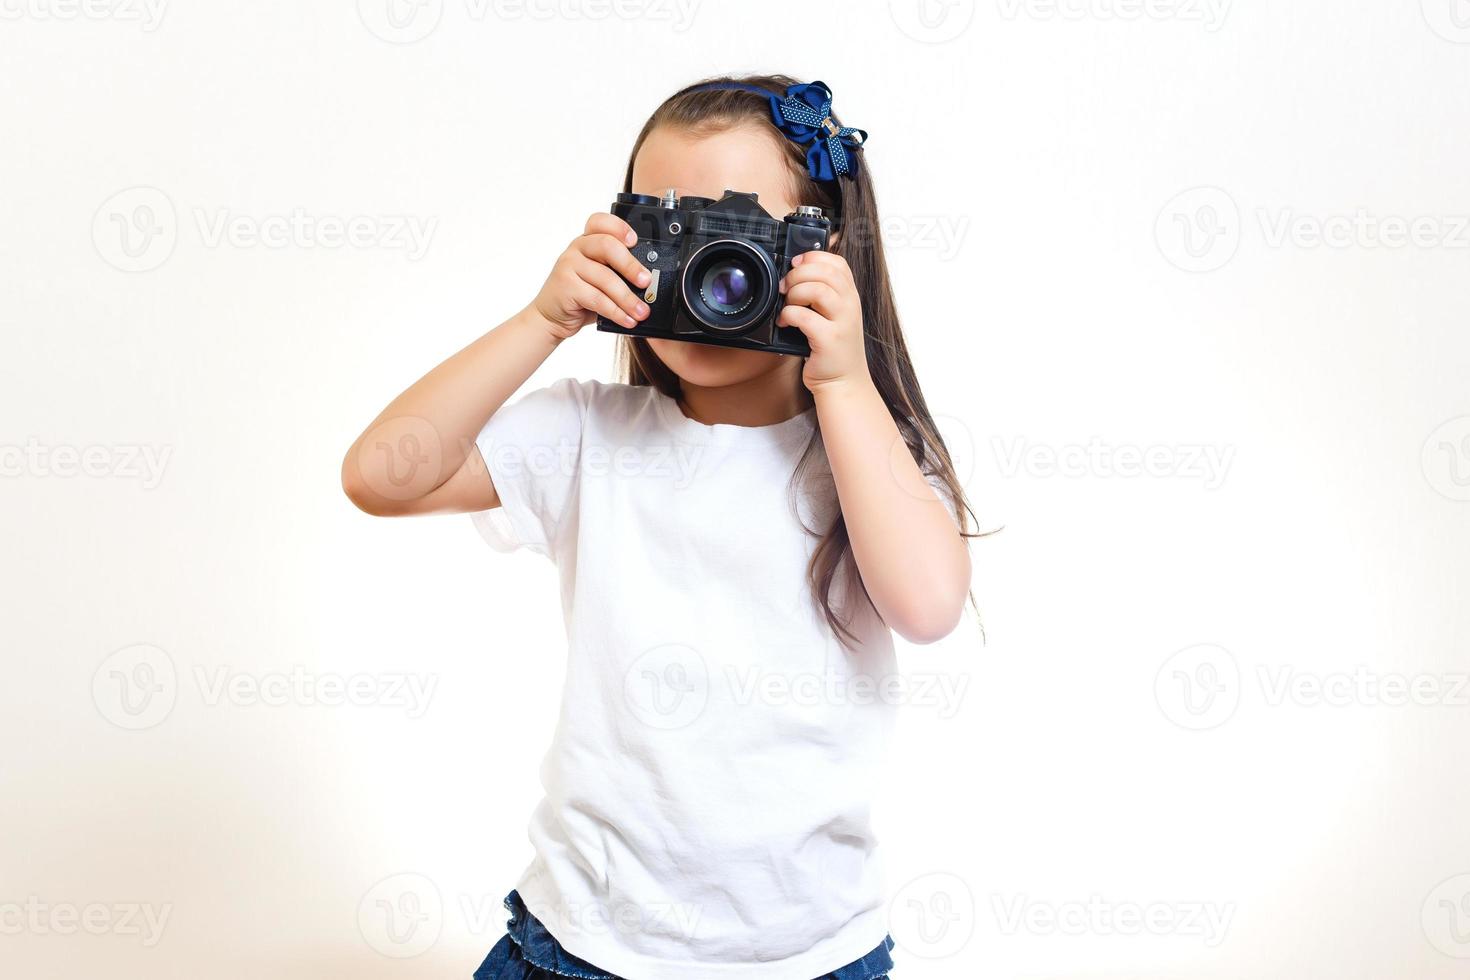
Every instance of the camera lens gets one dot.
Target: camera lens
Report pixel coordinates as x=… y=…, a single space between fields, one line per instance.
x=729 y=286
x=726 y=288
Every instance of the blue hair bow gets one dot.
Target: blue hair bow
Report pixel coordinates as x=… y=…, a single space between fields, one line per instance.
x=805 y=116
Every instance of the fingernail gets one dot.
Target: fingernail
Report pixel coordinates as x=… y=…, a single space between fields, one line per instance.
x=642 y=279
x=629 y=322
x=797 y=260
x=642 y=309
x=630 y=238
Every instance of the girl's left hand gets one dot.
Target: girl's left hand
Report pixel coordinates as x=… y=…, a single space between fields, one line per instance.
x=822 y=302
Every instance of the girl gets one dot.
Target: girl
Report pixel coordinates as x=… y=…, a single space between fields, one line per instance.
x=736 y=534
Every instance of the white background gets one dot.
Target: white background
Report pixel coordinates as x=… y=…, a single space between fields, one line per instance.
x=1101 y=222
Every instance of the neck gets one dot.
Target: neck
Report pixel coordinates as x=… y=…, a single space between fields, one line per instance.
x=766 y=399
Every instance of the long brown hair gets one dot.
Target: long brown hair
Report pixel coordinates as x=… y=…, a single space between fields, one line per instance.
x=700 y=110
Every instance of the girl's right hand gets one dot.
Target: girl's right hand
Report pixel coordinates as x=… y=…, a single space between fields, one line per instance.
x=584 y=283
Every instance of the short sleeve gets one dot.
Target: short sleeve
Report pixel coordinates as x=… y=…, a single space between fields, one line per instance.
x=532 y=449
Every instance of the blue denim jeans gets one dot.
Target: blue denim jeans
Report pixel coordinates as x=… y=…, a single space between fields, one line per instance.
x=528 y=952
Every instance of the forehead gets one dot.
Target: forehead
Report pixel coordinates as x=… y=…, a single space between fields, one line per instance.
x=745 y=158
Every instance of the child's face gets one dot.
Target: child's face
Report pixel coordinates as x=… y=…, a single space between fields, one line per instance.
x=741 y=159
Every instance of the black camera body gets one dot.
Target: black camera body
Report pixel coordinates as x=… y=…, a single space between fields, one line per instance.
x=716 y=267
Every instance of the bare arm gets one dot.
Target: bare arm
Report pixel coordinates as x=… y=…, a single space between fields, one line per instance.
x=419 y=455
x=911 y=556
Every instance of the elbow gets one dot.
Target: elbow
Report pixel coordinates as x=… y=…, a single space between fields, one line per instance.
x=929 y=621
x=933 y=603
x=358 y=488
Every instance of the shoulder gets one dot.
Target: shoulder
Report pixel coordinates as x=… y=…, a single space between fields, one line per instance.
x=611 y=408
x=603 y=398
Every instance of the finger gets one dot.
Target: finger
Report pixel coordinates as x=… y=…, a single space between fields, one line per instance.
x=594 y=300
x=819 y=295
x=811 y=272
x=822 y=260
x=603 y=223
x=808 y=321
x=615 y=255
x=605 y=281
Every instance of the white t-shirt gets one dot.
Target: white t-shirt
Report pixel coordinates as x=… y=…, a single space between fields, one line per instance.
x=707 y=790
